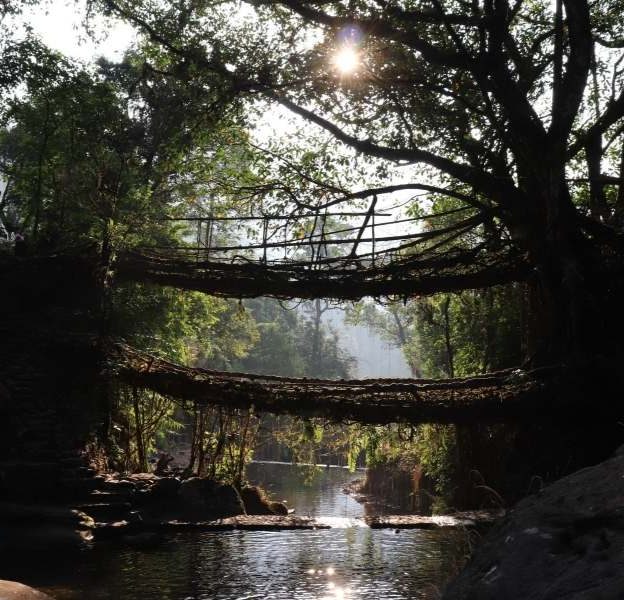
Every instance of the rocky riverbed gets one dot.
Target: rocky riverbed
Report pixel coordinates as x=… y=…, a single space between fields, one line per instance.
x=565 y=541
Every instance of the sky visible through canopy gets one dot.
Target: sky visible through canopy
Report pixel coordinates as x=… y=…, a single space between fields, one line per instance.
x=60 y=25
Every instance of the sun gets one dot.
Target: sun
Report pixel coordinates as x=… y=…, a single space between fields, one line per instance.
x=346 y=60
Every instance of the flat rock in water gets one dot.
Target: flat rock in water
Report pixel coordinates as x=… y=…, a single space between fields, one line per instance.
x=267 y=522
x=565 y=542
x=463 y=519
x=11 y=590
x=251 y=522
x=291 y=521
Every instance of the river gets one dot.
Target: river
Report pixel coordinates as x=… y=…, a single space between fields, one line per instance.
x=347 y=562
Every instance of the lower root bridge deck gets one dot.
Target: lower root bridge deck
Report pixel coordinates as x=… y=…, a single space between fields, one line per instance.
x=510 y=395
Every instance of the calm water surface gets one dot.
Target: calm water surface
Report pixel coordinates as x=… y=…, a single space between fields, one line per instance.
x=348 y=563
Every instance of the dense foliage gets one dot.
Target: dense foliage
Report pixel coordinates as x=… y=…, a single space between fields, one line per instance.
x=513 y=108
x=98 y=157
x=447 y=335
x=507 y=116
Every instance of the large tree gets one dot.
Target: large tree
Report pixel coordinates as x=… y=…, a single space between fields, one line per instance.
x=515 y=108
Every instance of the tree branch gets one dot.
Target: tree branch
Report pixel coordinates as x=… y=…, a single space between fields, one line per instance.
x=379 y=27
x=477 y=178
x=577 y=70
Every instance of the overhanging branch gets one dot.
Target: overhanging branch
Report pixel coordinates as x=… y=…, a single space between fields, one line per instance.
x=467 y=174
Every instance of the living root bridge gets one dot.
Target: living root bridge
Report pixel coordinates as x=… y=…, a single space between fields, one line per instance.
x=339 y=279
x=540 y=395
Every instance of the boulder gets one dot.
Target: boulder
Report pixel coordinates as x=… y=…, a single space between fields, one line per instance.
x=278 y=508
x=119 y=486
x=257 y=502
x=42 y=528
x=162 y=499
x=201 y=499
x=36 y=515
x=11 y=590
x=165 y=489
x=567 y=541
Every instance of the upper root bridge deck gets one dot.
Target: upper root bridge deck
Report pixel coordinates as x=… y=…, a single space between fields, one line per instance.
x=340 y=278
x=510 y=395
x=318 y=264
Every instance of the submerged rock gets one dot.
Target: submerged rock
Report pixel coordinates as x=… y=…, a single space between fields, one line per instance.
x=11 y=590
x=467 y=519
x=565 y=542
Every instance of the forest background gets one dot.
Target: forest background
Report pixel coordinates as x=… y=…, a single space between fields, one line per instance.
x=109 y=153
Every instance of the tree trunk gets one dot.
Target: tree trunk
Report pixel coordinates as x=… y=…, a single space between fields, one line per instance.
x=559 y=306
x=194 y=440
x=138 y=426
x=618 y=212
x=450 y=354
x=488 y=330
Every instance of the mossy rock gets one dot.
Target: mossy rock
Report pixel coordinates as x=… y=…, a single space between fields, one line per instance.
x=278 y=508
x=257 y=502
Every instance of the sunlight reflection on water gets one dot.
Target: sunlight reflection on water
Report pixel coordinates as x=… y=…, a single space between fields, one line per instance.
x=336 y=564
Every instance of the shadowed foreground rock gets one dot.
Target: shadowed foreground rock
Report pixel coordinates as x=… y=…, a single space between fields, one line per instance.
x=565 y=542
x=11 y=590
x=38 y=528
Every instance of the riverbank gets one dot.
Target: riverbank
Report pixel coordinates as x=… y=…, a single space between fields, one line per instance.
x=567 y=540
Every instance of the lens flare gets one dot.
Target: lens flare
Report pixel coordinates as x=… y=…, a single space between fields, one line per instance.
x=351 y=34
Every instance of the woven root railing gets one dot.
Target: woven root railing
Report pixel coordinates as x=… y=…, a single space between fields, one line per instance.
x=338 y=278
